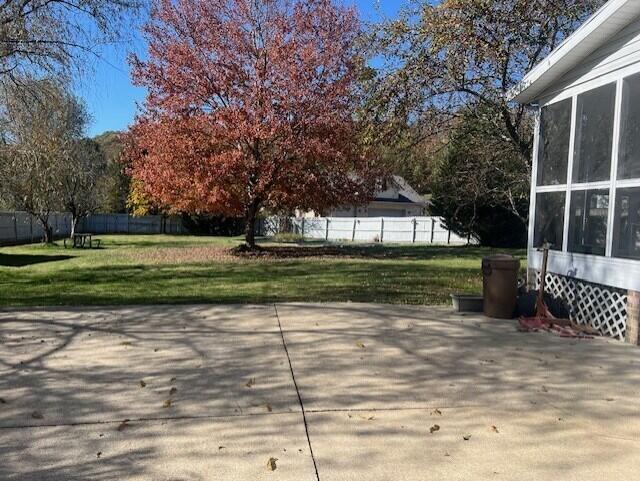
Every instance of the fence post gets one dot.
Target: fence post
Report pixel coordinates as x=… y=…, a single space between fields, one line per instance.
x=31 y=227
x=413 y=236
x=15 y=226
x=449 y=236
x=433 y=224
x=326 y=236
x=353 y=234
x=381 y=229
x=302 y=228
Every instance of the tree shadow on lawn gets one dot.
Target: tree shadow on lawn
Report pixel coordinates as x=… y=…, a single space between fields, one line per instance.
x=250 y=282
x=21 y=260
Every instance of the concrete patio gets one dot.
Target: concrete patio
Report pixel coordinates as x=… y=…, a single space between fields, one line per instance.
x=333 y=392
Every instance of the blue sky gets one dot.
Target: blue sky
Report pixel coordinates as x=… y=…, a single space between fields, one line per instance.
x=111 y=98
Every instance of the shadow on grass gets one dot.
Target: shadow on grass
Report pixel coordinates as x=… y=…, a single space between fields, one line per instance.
x=21 y=260
x=314 y=281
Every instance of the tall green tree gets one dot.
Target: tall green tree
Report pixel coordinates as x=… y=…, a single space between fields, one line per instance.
x=81 y=177
x=116 y=183
x=478 y=184
x=439 y=60
x=40 y=128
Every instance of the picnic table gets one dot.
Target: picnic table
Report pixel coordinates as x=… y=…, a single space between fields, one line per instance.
x=80 y=241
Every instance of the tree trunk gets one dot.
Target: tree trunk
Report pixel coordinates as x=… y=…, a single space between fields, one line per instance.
x=250 y=224
x=47 y=231
x=74 y=225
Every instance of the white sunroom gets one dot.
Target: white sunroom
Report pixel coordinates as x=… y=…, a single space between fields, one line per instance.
x=585 y=195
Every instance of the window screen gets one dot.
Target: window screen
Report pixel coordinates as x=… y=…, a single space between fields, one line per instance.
x=553 y=151
x=588 y=221
x=626 y=232
x=594 y=135
x=629 y=156
x=549 y=221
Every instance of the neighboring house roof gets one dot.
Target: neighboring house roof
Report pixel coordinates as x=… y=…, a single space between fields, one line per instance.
x=400 y=199
x=609 y=20
x=405 y=193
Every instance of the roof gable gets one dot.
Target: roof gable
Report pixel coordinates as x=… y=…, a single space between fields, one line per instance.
x=399 y=190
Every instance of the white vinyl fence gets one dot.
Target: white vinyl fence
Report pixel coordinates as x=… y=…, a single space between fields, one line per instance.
x=22 y=228
x=429 y=230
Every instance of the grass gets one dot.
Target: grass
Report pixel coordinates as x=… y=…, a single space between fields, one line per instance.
x=160 y=269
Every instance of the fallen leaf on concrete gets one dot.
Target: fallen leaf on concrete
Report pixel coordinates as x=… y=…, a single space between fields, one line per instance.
x=173 y=379
x=221 y=447
x=360 y=345
x=37 y=415
x=167 y=403
x=366 y=418
x=269 y=408
x=610 y=399
x=123 y=425
x=3 y=400
x=142 y=383
x=271 y=464
x=99 y=454
x=495 y=429
x=436 y=412
x=544 y=389
x=447 y=454
x=434 y=428
x=251 y=382
x=125 y=343
x=466 y=437
x=172 y=391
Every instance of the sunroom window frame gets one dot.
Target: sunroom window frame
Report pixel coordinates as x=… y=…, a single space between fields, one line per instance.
x=612 y=185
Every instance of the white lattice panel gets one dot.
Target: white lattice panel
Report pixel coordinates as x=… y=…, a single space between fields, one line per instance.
x=601 y=307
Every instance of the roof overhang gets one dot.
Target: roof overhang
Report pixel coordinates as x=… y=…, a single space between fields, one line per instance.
x=609 y=20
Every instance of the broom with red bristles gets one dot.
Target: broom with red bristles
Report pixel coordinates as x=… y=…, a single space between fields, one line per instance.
x=544 y=319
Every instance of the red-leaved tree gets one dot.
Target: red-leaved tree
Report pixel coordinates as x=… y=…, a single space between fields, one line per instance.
x=250 y=106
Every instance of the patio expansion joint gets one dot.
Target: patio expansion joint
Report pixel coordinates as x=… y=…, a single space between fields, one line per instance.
x=144 y=419
x=295 y=384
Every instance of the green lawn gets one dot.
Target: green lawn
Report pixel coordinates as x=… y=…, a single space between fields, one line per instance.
x=184 y=269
